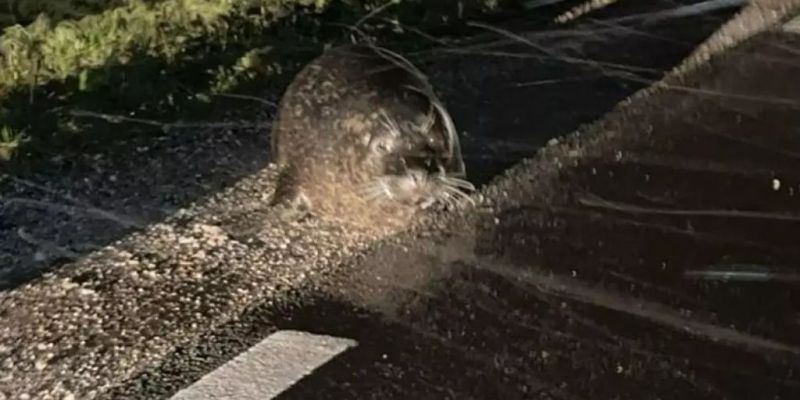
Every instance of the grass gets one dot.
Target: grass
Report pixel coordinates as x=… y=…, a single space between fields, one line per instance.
x=43 y=51
x=10 y=142
x=23 y=12
x=167 y=59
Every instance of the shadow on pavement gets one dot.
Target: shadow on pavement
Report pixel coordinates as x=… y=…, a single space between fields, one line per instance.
x=669 y=272
x=606 y=294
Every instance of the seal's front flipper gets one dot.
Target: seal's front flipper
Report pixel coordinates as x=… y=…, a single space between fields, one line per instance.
x=292 y=212
x=288 y=200
x=291 y=208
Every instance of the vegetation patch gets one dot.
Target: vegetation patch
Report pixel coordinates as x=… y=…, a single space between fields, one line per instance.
x=64 y=76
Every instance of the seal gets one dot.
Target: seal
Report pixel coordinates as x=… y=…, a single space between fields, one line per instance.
x=360 y=135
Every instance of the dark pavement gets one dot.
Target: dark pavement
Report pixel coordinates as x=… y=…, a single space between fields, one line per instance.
x=590 y=297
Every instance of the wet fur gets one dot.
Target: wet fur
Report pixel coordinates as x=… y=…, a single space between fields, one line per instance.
x=352 y=127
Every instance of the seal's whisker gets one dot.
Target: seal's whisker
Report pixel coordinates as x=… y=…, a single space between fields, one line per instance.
x=457 y=187
x=427 y=203
x=389 y=123
x=400 y=62
x=376 y=190
x=447 y=198
x=374 y=197
x=368 y=189
x=462 y=199
x=456 y=194
x=464 y=196
x=373 y=194
x=457 y=182
x=453 y=145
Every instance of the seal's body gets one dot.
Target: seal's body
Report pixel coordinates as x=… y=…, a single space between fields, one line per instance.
x=359 y=132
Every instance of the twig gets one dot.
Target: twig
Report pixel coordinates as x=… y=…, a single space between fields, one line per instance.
x=707 y=236
x=743 y=272
x=165 y=126
x=80 y=203
x=553 y=34
x=71 y=210
x=533 y=4
x=583 y=9
x=417 y=31
x=638 y=32
x=781 y=101
x=48 y=246
x=661 y=314
x=543 y=82
x=698 y=164
x=784 y=151
x=592 y=200
x=656 y=287
x=629 y=72
x=246 y=97
x=375 y=12
x=617 y=69
x=678 y=12
x=34 y=185
x=695 y=9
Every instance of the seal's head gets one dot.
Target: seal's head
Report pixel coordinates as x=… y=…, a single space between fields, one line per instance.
x=360 y=136
x=420 y=159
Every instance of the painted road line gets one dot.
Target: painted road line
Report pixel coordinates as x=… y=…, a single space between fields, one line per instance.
x=268 y=368
x=792 y=26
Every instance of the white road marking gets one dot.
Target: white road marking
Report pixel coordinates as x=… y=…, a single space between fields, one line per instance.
x=268 y=368
x=792 y=26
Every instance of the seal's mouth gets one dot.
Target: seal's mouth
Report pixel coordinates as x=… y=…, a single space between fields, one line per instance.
x=419 y=187
x=451 y=190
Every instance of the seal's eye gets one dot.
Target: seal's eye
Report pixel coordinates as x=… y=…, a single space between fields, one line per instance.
x=412 y=128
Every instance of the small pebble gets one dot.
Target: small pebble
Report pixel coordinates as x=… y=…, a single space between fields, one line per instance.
x=776 y=184
x=40 y=364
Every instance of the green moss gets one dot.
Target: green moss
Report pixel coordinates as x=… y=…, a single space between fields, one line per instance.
x=23 y=12
x=251 y=65
x=43 y=51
